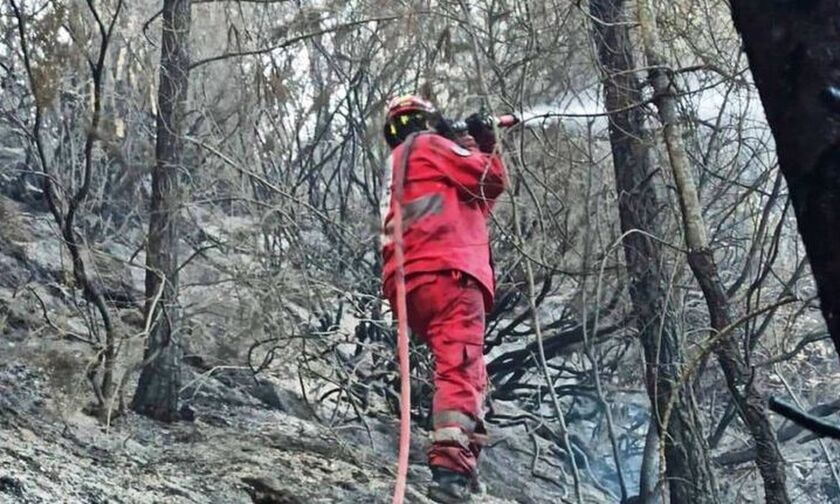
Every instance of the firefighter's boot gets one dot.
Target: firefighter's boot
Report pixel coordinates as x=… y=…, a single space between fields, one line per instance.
x=449 y=487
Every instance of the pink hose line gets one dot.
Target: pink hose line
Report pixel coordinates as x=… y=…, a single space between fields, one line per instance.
x=402 y=350
x=402 y=329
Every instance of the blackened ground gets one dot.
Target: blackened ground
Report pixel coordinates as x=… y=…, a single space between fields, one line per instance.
x=238 y=450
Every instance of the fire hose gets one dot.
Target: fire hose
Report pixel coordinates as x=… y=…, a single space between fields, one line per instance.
x=402 y=326
x=456 y=128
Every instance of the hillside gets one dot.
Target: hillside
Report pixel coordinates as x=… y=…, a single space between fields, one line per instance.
x=249 y=440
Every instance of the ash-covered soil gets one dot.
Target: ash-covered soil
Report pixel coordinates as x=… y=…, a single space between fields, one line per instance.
x=249 y=441
x=238 y=449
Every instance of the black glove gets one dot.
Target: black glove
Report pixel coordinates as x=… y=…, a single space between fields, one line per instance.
x=442 y=126
x=481 y=128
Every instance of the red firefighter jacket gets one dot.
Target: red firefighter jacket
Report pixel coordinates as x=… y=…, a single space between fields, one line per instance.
x=448 y=193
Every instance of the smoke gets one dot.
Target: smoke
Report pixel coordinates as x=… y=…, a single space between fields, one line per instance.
x=585 y=109
x=576 y=113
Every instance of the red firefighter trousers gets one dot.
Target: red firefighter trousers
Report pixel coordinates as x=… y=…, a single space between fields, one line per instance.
x=446 y=311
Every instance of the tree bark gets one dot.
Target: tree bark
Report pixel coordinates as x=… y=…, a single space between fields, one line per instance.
x=751 y=405
x=160 y=379
x=687 y=467
x=649 y=472
x=794 y=53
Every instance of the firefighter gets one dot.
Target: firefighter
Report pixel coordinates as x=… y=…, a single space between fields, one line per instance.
x=448 y=191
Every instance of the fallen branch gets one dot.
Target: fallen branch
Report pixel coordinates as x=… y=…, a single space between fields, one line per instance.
x=784 y=434
x=810 y=422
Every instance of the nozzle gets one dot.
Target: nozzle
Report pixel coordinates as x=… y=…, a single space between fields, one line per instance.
x=504 y=121
x=507 y=121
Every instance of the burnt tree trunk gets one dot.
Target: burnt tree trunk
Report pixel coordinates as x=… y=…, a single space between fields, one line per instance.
x=160 y=380
x=751 y=405
x=687 y=467
x=794 y=54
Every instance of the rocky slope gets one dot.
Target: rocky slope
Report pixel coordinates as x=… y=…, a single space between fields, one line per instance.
x=238 y=449
x=249 y=441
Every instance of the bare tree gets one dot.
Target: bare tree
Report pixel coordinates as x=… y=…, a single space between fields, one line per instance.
x=65 y=209
x=160 y=379
x=690 y=477
x=750 y=403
